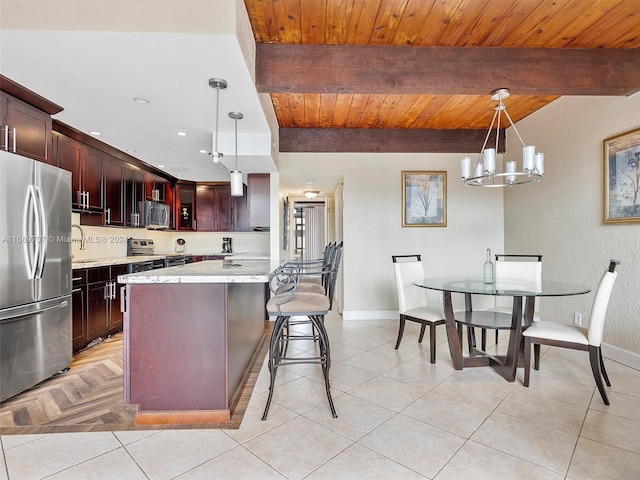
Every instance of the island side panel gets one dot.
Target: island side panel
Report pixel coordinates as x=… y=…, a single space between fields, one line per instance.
x=177 y=342
x=246 y=327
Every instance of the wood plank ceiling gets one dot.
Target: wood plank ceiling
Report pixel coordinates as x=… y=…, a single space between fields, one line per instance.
x=417 y=75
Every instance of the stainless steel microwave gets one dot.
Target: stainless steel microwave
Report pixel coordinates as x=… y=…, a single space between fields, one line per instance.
x=156 y=215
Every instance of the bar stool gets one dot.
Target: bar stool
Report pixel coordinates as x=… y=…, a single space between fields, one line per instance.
x=287 y=303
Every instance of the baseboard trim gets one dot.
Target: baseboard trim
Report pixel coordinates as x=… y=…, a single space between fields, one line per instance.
x=617 y=354
x=369 y=314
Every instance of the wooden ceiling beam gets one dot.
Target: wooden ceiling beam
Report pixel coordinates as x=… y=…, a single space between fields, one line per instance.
x=302 y=68
x=384 y=140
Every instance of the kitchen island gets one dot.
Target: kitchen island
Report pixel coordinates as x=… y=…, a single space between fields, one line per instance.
x=189 y=335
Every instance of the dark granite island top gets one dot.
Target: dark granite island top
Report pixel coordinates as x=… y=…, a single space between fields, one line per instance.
x=190 y=333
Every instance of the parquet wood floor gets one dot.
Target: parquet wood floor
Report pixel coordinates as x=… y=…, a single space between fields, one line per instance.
x=89 y=396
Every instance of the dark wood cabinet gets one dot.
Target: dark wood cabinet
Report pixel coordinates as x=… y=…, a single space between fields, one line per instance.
x=80 y=337
x=185 y=206
x=25 y=122
x=103 y=315
x=214 y=212
x=133 y=196
x=85 y=165
x=26 y=130
x=258 y=200
x=114 y=172
x=156 y=188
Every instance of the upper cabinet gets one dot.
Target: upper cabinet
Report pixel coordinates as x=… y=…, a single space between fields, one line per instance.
x=185 y=206
x=85 y=165
x=133 y=196
x=114 y=172
x=25 y=122
x=214 y=212
x=258 y=200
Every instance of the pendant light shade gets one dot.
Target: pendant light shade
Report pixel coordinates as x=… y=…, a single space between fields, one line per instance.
x=236 y=175
x=218 y=84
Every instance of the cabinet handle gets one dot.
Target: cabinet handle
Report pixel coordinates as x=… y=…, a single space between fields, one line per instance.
x=80 y=198
x=107 y=219
x=6 y=138
x=87 y=204
x=15 y=150
x=76 y=290
x=107 y=294
x=123 y=298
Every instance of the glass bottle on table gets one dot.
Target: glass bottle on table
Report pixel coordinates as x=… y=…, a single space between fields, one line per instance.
x=488 y=269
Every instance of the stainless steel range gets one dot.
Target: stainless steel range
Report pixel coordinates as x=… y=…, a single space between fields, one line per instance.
x=145 y=247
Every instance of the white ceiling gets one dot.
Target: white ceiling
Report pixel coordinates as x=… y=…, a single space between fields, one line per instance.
x=96 y=75
x=93 y=57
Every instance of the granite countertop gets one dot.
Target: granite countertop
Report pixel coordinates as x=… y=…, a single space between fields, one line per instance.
x=103 y=262
x=210 y=271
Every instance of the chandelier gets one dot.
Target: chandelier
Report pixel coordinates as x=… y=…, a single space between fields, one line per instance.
x=484 y=171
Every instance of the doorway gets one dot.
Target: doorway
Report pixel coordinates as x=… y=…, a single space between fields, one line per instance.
x=309 y=229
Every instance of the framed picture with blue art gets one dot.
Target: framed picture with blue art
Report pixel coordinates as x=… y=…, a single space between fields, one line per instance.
x=622 y=178
x=424 y=199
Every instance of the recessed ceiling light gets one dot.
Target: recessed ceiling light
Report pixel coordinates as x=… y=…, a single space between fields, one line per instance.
x=93 y=132
x=181 y=134
x=202 y=151
x=160 y=166
x=141 y=100
x=130 y=151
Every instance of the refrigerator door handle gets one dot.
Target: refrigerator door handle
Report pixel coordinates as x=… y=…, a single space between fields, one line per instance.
x=36 y=312
x=28 y=240
x=43 y=234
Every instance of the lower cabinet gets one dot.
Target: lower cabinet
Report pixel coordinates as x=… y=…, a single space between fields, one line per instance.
x=96 y=304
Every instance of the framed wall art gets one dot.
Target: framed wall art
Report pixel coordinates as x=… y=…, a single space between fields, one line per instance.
x=424 y=199
x=622 y=178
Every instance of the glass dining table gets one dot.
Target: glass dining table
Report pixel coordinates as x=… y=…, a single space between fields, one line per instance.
x=515 y=322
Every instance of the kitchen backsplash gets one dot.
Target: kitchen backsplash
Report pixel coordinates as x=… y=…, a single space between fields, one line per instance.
x=110 y=242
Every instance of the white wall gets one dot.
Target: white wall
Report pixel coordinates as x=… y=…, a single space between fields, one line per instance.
x=373 y=224
x=562 y=217
x=111 y=242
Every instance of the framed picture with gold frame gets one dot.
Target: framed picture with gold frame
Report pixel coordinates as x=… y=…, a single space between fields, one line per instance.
x=622 y=178
x=424 y=199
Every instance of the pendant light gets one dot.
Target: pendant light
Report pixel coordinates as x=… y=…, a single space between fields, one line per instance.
x=236 y=175
x=218 y=84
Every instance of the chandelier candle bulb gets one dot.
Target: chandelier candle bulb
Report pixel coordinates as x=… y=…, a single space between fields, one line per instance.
x=510 y=167
x=490 y=160
x=539 y=162
x=479 y=170
x=465 y=166
x=528 y=156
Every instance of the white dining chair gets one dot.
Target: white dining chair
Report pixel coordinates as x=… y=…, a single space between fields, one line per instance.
x=412 y=300
x=515 y=272
x=571 y=336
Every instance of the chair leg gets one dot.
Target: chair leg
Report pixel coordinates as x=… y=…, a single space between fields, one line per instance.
x=594 y=357
x=275 y=352
x=536 y=356
x=423 y=327
x=325 y=354
x=602 y=369
x=400 y=331
x=527 y=360
x=432 y=342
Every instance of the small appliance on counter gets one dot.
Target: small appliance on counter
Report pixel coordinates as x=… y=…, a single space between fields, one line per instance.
x=226 y=245
x=180 y=245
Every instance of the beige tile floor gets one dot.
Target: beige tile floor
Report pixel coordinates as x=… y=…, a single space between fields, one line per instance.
x=399 y=417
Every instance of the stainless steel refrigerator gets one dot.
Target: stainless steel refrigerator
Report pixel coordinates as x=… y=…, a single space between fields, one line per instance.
x=35 y=269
